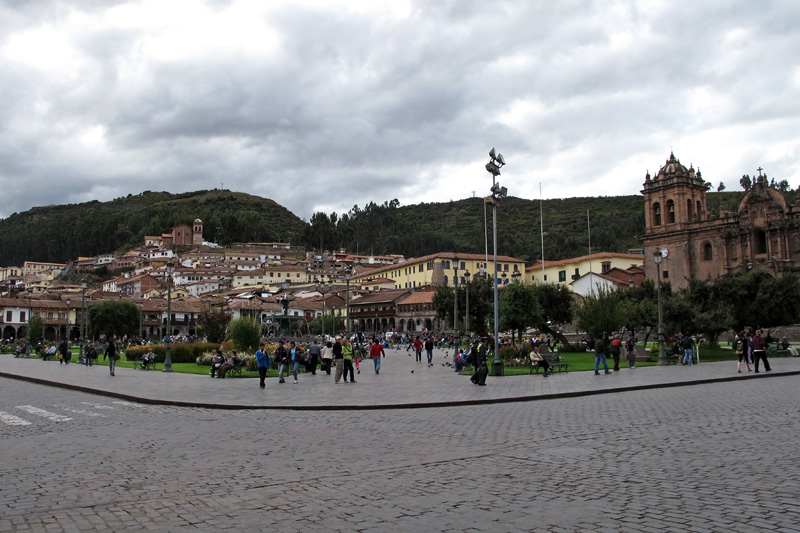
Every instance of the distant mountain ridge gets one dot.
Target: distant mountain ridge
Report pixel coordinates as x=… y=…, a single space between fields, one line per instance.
x=59 y=233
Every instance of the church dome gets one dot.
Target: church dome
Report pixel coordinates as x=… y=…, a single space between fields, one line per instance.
x=674 y=169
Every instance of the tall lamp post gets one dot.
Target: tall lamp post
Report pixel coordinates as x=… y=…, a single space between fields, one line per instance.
x=466 y=317
x=496 y=162
x=30 y=312
x=83 y=322
x=662 y=354
x=347 y=276
x=323 y=290
x=168 y=337
x=455 y=297
x=66 y=336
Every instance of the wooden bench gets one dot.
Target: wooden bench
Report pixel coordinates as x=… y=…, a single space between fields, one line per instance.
x=555 y=362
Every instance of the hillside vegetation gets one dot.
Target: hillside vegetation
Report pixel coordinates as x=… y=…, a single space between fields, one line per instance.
x=60 y=233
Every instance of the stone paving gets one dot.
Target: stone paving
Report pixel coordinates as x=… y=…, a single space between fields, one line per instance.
x=716 y=456
x=401 y=383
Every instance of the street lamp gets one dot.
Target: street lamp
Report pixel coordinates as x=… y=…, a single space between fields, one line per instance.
x=83 y=322
x=496 y=162
x=516 y=276
x=323 y=290
x=66 y=336
x=466 y=317
x=347 y=275
x=168 y=337
x=662 y=354
x=455 y=296
x=30 y=312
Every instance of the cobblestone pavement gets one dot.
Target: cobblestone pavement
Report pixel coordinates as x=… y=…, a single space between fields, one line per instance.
x=709 y=457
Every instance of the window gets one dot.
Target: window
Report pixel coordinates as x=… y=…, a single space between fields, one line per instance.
x=760 y=242
x=606 y=266
x=656 y=214
x=545 y=277
x=689 y=208
x=577 y=273
x=562 y=275
x=708 y=252
x=505 y=267
x=665 y=274
x=22 y=316
x=8 y=316
x=698 y=209
x=670 y=212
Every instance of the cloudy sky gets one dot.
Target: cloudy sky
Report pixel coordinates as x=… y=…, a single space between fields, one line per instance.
x=322 y=105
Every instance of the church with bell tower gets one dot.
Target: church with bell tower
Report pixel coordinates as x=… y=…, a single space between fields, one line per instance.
x=763 y=233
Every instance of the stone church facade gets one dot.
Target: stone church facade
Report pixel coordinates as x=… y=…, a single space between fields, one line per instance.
x=763 y=233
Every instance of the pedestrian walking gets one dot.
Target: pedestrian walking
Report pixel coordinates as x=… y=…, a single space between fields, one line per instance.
x=338 y=359
x=687 y=343
x=599 y=356
x=312 y=357
x=376 y=352
x=760 y=351
x=742 y=352
x=616 y=349
x=630 y=351
x=347 y=360
x=262 y=359
x=418 y=349
x=112 y=355
x=64 y=352
x=296 y=356
x=429 y=350
x=282 y=357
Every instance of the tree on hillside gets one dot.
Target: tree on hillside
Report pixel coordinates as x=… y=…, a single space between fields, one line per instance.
x=720 y=187
x=746 y=182
x=114 y=318
x=518 y=309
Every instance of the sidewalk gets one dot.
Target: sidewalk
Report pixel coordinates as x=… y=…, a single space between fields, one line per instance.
x=401 y=384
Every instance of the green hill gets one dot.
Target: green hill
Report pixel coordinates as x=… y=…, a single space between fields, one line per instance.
x=58 y=233
x=63 y=232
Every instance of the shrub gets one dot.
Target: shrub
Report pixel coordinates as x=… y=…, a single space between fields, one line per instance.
x=179 y=352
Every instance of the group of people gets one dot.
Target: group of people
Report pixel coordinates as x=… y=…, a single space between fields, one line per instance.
x=339 y=355
x=751 y=347
x=614 y=348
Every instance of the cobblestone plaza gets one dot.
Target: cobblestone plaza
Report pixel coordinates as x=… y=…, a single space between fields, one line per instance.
x=663 y=449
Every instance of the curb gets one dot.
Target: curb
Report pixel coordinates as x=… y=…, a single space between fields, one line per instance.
x=430 y=405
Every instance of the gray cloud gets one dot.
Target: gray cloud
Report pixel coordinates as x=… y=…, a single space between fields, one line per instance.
x=322 y=105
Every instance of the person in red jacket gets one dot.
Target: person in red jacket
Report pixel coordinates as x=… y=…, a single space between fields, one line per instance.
x=418 y=348
x=376 y=352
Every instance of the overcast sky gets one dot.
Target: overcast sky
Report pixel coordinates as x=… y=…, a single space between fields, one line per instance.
x=322 y=105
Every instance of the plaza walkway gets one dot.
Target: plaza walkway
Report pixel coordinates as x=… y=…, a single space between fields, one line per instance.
x=402 y=383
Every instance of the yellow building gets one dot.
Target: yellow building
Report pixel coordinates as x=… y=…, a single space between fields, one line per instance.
x=569 y=270
x=437 y=269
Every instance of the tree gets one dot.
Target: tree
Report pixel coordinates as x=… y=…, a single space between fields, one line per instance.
x=213 y=324
x=599 y=315
x=245 y=332
x=757 y=299
x=639 y=306
x=519 y=309
x=114 y=318
x=720 y=187
x=555 y=301
x=746 y=182
x=37 y=329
